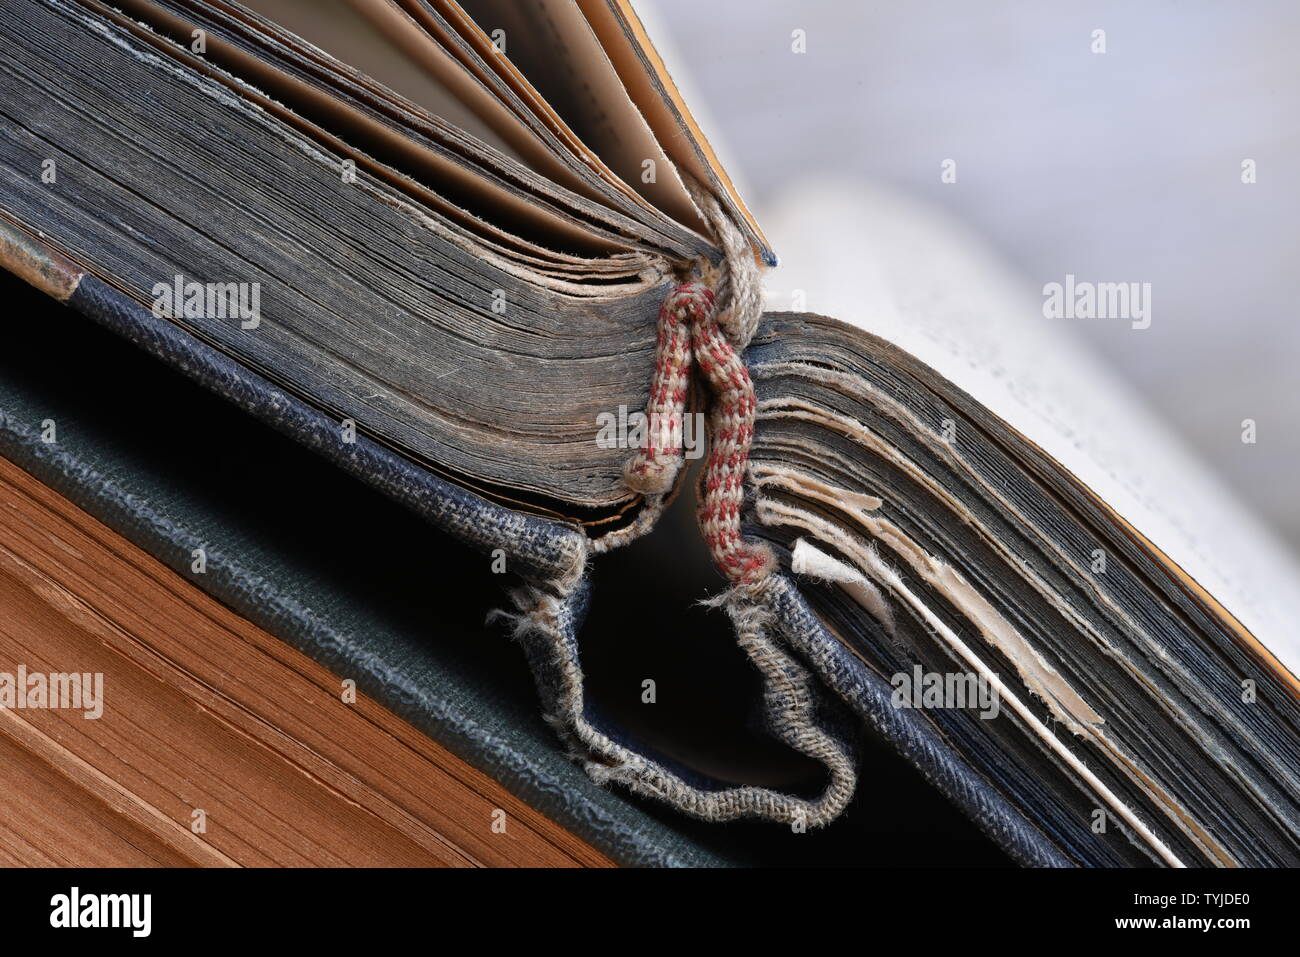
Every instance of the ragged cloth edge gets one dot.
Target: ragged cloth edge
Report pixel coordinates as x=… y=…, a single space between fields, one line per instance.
x=546 y=622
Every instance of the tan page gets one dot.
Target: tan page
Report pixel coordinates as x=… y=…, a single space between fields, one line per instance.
x=552 y=44
x=651 y=88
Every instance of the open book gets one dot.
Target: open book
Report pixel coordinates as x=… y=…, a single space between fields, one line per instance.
x=480 y=255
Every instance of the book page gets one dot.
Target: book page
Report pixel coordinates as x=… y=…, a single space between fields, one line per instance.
x=339 y=29
x=914 y=276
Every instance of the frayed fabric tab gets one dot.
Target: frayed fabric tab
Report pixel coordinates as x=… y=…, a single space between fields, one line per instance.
x=546 y=622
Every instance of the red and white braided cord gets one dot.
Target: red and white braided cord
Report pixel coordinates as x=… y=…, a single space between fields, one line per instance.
x=688 y=325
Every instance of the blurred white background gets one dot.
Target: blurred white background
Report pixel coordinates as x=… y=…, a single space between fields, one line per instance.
x=1116 y=167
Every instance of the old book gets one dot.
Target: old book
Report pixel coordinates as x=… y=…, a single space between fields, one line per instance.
x=352 y=592
x=459 y=249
